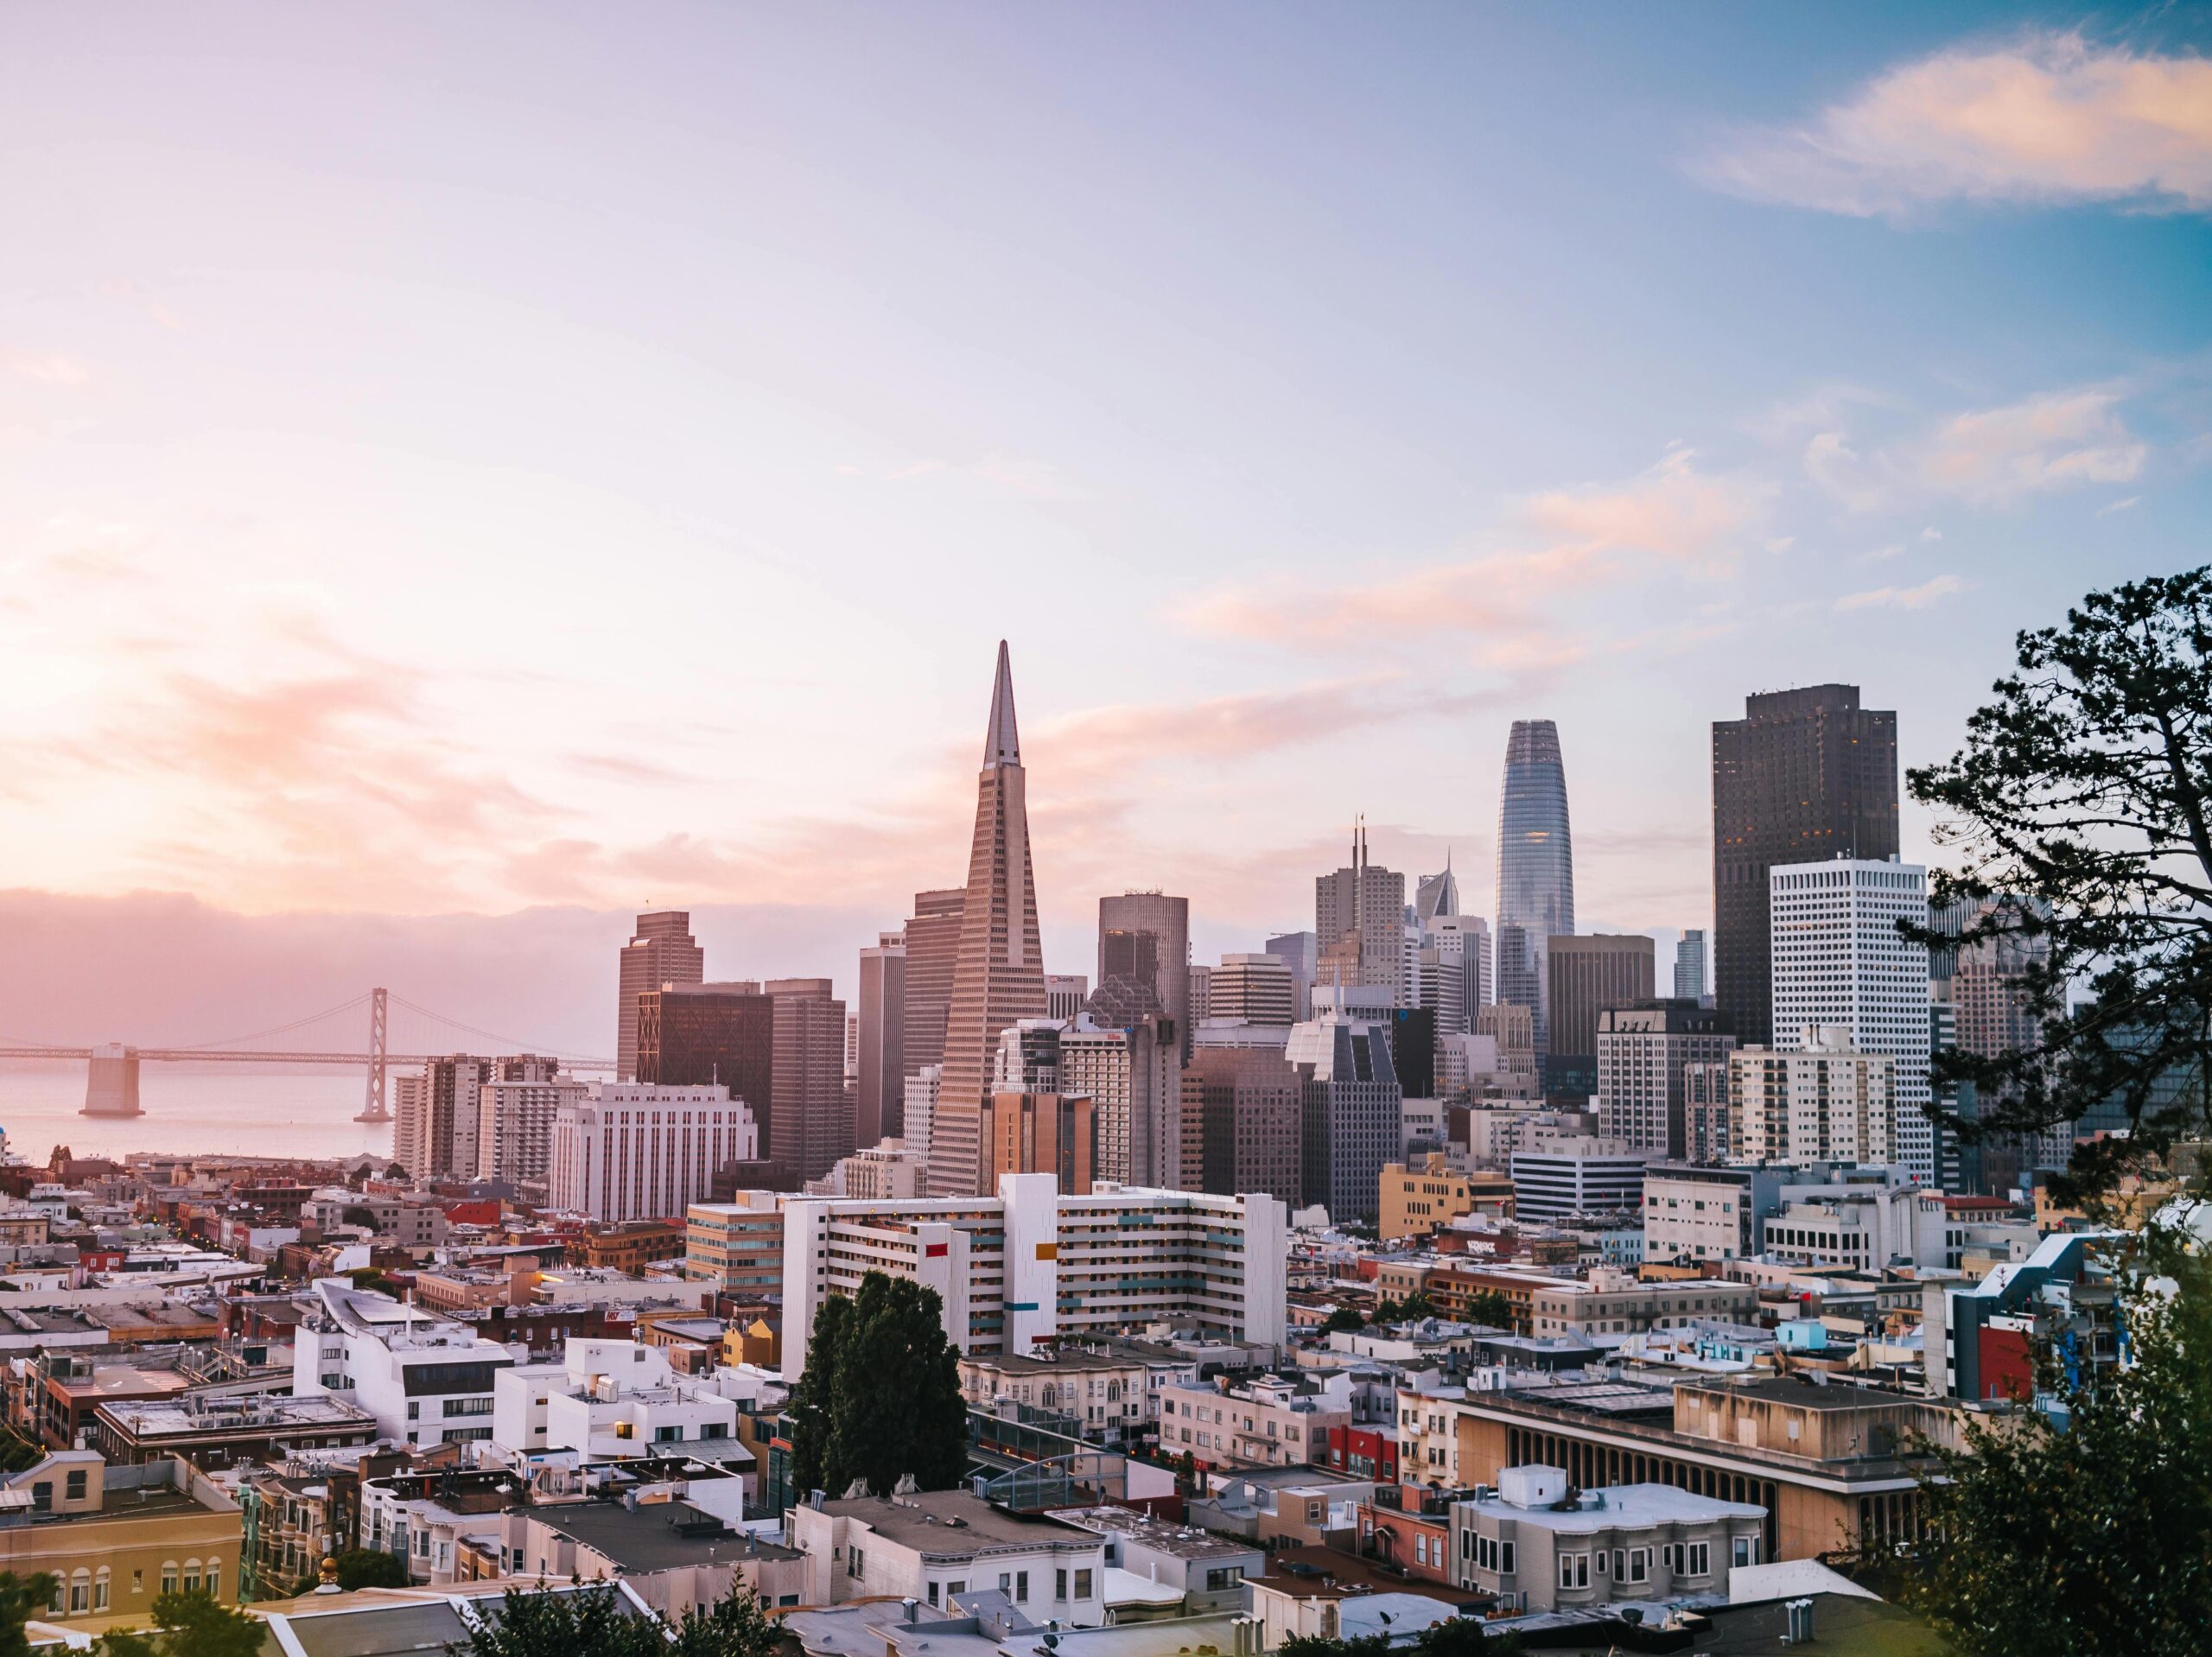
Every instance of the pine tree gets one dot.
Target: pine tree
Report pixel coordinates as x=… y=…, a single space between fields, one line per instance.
x=880 y=1399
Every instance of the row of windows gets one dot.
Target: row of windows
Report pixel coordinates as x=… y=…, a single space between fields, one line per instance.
x=83 y=1592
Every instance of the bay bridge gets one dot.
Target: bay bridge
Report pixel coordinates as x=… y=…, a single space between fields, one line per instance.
x=112 y=1068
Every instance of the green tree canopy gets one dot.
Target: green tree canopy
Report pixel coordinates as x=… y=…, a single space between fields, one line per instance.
x=22 y=1598
x=2088 y=1533
x=191 y=1625
x=880 y=1398
x=597 y=1622
x=2080 y=809
x=370 y=1567
x=1343 y=1317
x=1491 y=1309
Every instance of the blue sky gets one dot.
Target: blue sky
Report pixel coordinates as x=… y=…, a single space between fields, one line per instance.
x=472 y=461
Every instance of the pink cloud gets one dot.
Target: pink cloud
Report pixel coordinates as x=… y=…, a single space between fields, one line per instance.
x=2048 y=119
x=1672 y=516
x=1929 y=592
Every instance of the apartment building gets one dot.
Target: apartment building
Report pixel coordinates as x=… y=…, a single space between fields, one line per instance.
x=1825 y=1101
x=737 y=1245
x=1832 y=1465
x=1420 y=1201
x=1110 y=1389
x=634 y=1151
x=426 y=1380
x=1695 y=1212
x=1029 y=1264
x=117 y=1538
x=1270 y=1421
x=1526 y=1542
x=939 y=1546
x=1609 y=1306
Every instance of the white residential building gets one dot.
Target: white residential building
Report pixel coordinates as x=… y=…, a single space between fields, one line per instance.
x=1529 y=1544
x=1864 y=1226
x=610 y=1400
x=1839 y=963
x=922 y=1088
x=1268 y=1421
x=938 y=1546
x=426 y=1380
x=1822 y=1100
x=1027 y=1264
x=515 y=1118
x=632 y=1150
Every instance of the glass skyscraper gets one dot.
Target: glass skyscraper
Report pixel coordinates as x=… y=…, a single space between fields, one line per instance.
x=1535 y=866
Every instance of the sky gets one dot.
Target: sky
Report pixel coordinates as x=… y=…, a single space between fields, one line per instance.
x=469 y=474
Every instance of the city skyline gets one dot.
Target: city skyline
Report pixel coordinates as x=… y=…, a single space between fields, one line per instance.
x=1654 y=370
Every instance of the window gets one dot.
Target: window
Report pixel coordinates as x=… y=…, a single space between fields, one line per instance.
x=137 y=1582
x=1698 y=1560
x=667 y=1435
x=855 y=1562
x=42 y=1496
x=81 y=1593
x=75 y=1489
x=414 y=1410
x=956 y=1588
x=214 y=1579
x=1060 y=1584
x=1005 y=1583
x=1639 y=1563
x=169 y=1575
x=1574 y=1571
x=1020 y=1586
x=933 y=1593
x=1082 y=1584
x=1505 y=1564
x=192 y=1576
x=101 y=1590
x=1747 y=1550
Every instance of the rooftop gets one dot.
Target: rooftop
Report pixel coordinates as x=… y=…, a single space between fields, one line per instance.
x=1624 y=1506
x=955 y=1522
x=654 y=1536
x=1181 y=1542
x=1807 y=1394
x=1325 y=1573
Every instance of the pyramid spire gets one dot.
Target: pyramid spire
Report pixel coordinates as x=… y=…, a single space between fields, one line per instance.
x=1002 y=743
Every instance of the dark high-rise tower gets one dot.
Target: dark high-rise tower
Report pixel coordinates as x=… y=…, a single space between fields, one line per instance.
x=1535 y=866
x=1805 y=776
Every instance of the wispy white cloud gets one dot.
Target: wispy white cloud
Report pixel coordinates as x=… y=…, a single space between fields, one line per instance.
x=1902 y=598
x=2048 y=118
x=2119 y=506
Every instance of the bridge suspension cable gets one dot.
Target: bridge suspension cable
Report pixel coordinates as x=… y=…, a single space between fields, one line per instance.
x=513 y=1043
x=282 y=1029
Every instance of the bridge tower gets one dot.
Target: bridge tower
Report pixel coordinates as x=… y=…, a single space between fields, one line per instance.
x=374 y=1110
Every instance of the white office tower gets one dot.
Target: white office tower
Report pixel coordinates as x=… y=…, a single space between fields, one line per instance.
x=922 y=1088
x=1466 y=937
x=1437 y=986
x=1840 y=964
x=1134 y=1081
x=428 y=1380
x=1027 y=1265
x=632 y=1151
x=1822 y=1100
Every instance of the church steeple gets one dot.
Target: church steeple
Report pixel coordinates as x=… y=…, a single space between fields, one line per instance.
x=1002 y=742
